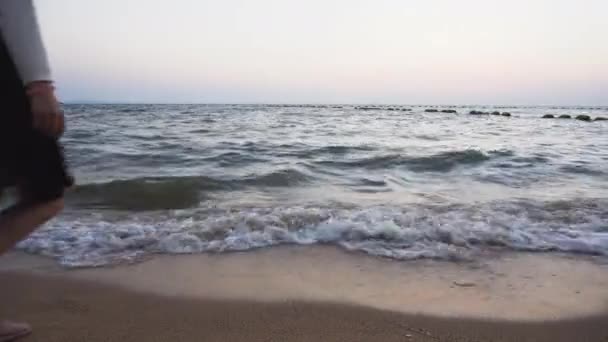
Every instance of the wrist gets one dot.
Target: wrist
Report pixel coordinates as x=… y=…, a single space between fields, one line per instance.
x=39 y=88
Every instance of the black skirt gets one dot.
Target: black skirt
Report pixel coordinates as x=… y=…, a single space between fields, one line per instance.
x=29 y=159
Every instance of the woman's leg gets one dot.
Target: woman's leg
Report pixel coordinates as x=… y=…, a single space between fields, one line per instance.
x=16 y=223
x=20 y=220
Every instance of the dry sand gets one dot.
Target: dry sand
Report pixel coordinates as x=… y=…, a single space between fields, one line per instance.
x=310 y=294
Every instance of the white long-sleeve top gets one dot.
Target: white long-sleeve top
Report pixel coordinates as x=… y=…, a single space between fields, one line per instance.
x=21 y=34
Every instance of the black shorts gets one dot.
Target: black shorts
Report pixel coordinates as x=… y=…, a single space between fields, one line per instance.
x=28 y=158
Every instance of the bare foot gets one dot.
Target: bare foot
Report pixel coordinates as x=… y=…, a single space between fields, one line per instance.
x=10 y=331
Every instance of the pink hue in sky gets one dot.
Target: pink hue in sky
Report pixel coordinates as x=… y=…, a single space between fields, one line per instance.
x=388 y=51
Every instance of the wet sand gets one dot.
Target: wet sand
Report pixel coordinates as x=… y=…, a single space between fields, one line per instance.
x=306 y=294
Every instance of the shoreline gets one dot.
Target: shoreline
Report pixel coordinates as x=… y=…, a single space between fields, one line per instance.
x=512 y=286
x=310 y=293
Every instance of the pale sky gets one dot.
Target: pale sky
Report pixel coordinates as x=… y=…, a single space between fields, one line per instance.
x=329 y=51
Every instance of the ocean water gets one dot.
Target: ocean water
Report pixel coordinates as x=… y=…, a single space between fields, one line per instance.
x=392 y=181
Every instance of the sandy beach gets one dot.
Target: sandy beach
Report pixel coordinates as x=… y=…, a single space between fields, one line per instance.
x=259 y=296
x=315 y=171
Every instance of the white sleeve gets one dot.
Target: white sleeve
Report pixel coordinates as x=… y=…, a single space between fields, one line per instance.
x=21 y=34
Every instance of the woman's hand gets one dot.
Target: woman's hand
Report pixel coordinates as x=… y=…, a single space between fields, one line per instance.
x=46 y=111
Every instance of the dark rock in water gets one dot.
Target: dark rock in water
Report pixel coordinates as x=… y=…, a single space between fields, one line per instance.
x=548 y=116
x=431 y=110
x=583 y=118
x=599 y=118
x=476 y=112
x=565 y=116
x=450 y=111
x=495 y=113
x=506 y=114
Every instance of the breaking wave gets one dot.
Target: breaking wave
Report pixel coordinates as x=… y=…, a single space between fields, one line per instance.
x=451 y=232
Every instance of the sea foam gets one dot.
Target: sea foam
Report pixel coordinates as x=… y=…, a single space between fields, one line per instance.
x=449 y=232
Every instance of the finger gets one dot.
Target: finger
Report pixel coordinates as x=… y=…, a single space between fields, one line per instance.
x=44 y=122
x=58 y=124
x=61 y=123
x=52 y=128
x=36 y=121
x=40 y=122
x=49 y=123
